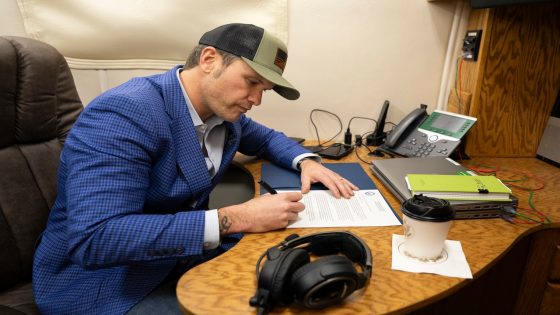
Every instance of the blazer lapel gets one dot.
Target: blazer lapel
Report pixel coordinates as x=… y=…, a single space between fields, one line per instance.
x=188 y=154
x=231 y=144
x=230 y=148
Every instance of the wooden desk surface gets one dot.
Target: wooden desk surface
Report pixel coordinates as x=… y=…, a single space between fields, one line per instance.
x=225 y=284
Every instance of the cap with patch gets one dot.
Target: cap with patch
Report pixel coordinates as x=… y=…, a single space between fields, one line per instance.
x=261 y=50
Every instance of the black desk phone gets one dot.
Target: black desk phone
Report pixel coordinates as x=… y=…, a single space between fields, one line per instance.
x=419 y=134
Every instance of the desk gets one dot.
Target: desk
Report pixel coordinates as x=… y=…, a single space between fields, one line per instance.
x=225 y=284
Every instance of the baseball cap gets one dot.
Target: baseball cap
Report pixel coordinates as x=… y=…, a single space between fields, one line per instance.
x=262 y=51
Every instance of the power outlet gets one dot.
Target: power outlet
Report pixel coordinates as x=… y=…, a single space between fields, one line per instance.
x=471 y=44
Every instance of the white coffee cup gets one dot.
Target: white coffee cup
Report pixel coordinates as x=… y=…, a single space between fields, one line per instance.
x=426 y=223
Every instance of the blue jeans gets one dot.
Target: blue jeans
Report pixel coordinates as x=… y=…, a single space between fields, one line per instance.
x=163 y=299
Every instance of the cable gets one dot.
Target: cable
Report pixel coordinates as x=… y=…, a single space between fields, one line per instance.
x=537 y=211
x=517 y=179
x=348 y=134
x=360 y=117
x=317 y=131
x=364 y=135
x=527 y=176
x=359 y=158
x=458 y=84
x=481 y=168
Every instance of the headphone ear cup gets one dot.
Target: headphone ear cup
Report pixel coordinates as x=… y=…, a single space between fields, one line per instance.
x=276 y=274
x=325 y=281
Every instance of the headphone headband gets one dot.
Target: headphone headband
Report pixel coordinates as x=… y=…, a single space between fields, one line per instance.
x=345 y=238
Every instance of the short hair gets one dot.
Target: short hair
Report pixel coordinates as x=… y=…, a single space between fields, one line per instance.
x=194 y=57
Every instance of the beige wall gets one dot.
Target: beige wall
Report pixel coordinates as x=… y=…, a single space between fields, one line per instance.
x=345 y=57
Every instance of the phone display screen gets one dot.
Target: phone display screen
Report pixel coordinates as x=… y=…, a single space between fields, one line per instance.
x=448 y=124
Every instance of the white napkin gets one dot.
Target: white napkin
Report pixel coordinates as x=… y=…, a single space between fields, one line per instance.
x=454 y=264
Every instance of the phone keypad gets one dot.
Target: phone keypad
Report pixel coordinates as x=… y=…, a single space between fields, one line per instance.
x=415 y=148
x=418 y=144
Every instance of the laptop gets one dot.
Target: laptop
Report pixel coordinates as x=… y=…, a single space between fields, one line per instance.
x=392 y=173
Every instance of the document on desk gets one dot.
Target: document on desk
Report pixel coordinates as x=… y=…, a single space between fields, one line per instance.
x=365 y=208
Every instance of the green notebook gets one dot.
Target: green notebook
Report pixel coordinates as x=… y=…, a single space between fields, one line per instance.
x=458 y=187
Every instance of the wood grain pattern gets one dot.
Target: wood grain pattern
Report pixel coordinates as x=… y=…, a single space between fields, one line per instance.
x=536 y=276
x=460 y=105
x=518 y=82
x=551 y=300
x=225 y=284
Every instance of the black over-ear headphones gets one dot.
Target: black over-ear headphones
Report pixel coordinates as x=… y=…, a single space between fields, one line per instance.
x=288 y=275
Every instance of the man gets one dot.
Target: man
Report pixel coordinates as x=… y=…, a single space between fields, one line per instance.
x=138 y=166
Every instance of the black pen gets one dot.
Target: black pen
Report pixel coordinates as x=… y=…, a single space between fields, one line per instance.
x=267 y=187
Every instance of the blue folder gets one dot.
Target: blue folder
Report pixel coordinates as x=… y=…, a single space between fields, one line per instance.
x=281 y=178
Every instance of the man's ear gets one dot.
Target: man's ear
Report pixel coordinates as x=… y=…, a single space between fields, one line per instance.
x=209 y=58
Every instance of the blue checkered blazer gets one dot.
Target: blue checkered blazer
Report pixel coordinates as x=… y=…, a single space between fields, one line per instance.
x=130 y=172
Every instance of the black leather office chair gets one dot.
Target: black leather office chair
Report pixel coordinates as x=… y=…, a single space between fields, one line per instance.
x=236 y=186
x=38 y=105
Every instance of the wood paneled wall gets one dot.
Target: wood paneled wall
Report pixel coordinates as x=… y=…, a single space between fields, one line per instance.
x=512 y=87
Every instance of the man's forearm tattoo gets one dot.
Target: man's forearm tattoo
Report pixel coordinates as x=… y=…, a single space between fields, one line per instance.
x=225 y=224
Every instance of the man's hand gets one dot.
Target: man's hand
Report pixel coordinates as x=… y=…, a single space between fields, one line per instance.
x=262 y=214
x=314 y=172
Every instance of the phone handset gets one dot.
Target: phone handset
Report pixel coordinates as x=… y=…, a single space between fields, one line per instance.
x=411 y=121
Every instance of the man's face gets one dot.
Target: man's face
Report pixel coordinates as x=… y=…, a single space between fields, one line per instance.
x=232 y=91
